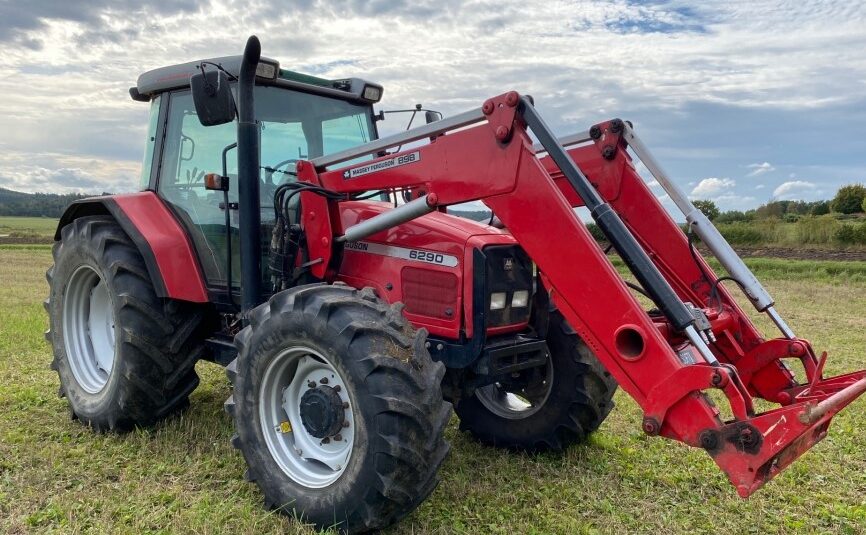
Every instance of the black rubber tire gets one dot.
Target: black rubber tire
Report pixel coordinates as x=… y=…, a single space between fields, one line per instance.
x=580 y=398
x=396 y=398
x=158 y=341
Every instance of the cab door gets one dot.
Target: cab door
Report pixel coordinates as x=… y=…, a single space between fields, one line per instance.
x=190 y=151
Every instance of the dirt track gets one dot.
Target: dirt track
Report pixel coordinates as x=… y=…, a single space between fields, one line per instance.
x=799 y=254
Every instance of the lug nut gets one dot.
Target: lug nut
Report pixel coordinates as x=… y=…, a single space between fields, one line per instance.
x=338 y=437
x=345 y=423
x=325 y=440
x=337 y=388
x=345 y=404
x=311 y=384
x=323 y=380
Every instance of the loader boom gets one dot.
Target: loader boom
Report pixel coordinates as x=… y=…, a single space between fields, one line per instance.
x=701 y=340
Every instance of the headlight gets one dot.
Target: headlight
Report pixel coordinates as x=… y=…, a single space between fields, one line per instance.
x=520 y=299
x=508 y=270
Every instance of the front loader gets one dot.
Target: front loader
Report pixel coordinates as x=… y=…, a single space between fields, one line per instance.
x=276 y=234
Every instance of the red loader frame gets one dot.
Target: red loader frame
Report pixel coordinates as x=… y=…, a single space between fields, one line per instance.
x=664 y=361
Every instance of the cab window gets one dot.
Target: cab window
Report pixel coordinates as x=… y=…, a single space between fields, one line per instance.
x=292 y=126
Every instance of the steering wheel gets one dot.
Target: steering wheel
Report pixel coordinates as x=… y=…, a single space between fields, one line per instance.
x=269 y=171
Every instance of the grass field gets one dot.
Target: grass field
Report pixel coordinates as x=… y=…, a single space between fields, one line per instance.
x=27 y=227
x=183 y=476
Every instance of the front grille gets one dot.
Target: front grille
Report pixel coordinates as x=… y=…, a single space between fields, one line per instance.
x=429 y=293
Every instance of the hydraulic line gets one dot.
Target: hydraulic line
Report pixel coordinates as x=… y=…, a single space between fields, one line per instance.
x=711 y=236
x=617 y=233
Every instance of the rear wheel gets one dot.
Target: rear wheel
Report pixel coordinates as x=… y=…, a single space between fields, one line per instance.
x=557 y=405
x=338 y=407
x=125 y=357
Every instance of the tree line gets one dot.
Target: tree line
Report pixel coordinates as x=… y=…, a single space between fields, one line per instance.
x=850 y=200
x=16 y=203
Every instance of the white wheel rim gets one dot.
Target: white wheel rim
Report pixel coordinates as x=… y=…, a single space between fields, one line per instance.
x=518 y=405
x=310 y=461
x=88 y=329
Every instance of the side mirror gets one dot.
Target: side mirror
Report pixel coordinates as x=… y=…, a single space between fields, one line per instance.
x=432 y=116
x=213 y=99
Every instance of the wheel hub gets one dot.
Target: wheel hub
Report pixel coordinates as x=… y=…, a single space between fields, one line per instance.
x=306 y=418
x=322 y=412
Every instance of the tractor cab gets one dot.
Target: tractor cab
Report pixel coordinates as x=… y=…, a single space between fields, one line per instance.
x=300 y=117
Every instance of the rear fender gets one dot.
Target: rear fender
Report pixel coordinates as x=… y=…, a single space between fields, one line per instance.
x=144 y=217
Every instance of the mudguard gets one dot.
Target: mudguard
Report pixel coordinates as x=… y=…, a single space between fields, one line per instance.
x=166 y=248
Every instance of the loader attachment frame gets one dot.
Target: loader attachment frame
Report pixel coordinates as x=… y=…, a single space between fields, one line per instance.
x=666 y=361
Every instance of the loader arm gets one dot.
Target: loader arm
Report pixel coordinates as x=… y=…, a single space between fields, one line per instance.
x=664 y=361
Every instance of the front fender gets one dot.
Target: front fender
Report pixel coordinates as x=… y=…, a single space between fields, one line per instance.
x=170 y=257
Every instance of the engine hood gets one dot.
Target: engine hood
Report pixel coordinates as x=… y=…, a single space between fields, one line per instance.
x=438 y=231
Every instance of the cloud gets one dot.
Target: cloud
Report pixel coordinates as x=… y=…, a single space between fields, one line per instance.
x=760 y=168
x=760 y=186
x=710 y=188
x=796 y=190
x=23 y=22
x=722 y=192
x=675 y=67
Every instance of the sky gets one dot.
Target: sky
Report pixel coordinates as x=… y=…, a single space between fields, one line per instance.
x=742 y=101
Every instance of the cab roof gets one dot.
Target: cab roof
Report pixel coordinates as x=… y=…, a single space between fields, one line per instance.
x=153 y=82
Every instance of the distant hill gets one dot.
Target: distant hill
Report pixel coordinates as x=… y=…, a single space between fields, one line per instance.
x=17 y=203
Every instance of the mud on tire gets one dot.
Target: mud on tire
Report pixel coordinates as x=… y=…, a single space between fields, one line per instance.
x=394 y=394
x=156 y=341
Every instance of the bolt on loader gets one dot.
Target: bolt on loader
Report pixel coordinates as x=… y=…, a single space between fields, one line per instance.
x=276 y=234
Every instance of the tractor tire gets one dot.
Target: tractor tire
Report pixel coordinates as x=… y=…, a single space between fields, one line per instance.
x=577 y=397
x=125 y=357
x=338 y=408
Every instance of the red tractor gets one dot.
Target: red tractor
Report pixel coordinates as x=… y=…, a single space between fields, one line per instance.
x=276 y=234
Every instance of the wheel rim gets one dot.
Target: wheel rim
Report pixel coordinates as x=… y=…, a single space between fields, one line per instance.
x=515 y=404
x=88 y=329
x=310 y=461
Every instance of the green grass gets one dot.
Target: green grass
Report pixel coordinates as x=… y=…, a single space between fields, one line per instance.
x=27 y=227
x=183 y=477
x=829 y=271
x=825 y=232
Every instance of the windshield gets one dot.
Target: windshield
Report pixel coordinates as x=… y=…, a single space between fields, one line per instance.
x=296 y=126
x=303 y=126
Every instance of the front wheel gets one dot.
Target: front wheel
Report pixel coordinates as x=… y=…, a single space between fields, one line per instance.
x=338 y=407
x=552 y=407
